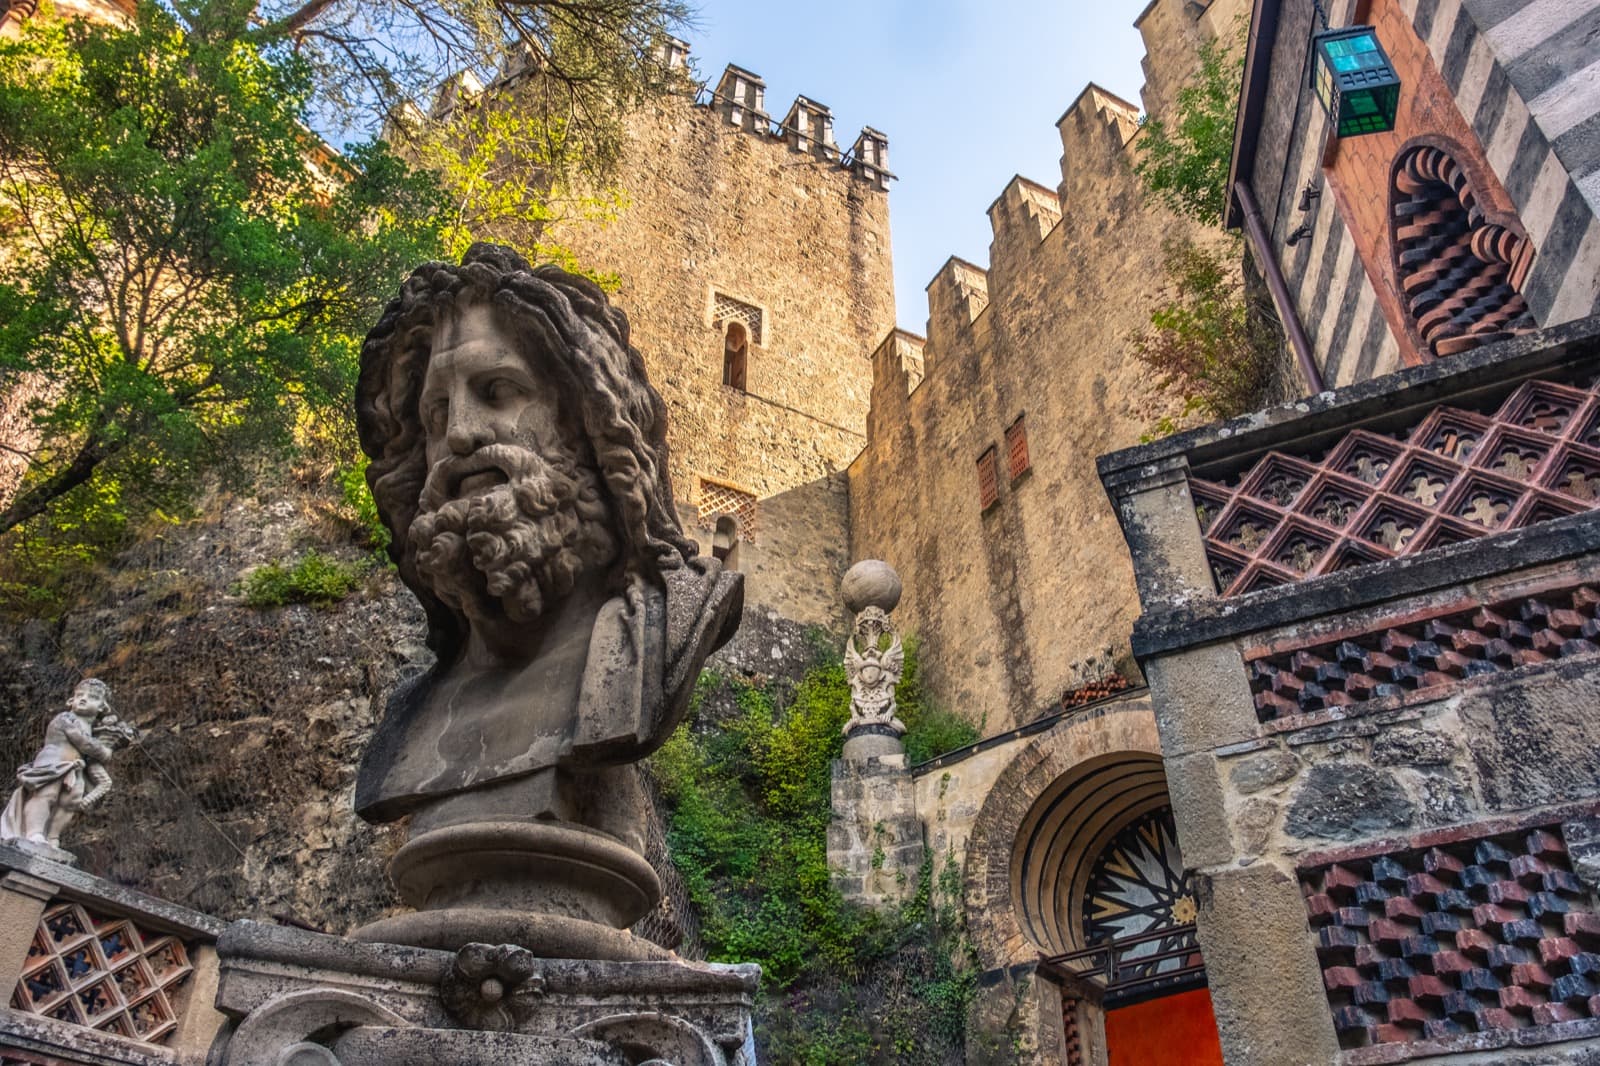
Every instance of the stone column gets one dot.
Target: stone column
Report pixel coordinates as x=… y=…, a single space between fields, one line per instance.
x=23 y=899
x=875 y=847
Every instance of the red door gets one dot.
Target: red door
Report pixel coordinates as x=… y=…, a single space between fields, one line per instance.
x=1176 y=1030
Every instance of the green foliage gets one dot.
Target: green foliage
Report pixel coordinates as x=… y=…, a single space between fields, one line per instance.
x=509 y=170
x=1207 y=341
x=314 y=578
x=1185 y=162
x=186 y=274
x=747 y=780
x=358 y=499
x=590 y=62
x=931 y=730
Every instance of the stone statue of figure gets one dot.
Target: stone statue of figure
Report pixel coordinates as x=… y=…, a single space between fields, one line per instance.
x=68 y=774
x=873 y=671
x=519 y=460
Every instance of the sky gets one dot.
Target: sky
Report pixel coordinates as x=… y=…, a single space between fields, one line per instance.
x=968 y=93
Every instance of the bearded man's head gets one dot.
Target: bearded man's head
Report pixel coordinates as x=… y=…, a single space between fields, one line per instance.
x=515 y=443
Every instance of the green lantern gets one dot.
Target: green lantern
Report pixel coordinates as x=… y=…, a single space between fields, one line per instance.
x=1352 y=76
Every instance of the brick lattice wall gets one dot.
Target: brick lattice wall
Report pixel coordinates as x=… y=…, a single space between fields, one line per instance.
x=1425 y=655
x=1472 y=936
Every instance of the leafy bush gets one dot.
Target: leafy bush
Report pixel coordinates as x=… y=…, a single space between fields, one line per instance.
x=314 y=578
x=1207 y=341
x=1185 y=162
x=748 y=796
x=931 y=731
x=358 y=499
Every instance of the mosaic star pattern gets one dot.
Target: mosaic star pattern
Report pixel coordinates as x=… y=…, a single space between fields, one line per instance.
x=1139 y=885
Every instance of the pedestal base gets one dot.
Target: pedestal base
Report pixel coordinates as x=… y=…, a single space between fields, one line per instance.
x=304 y=999
x=559 y=890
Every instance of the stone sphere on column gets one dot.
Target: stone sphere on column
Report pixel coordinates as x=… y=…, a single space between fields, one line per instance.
x=871 y=583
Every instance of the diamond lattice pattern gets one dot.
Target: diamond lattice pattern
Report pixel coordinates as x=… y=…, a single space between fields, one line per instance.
x=104 y=973
x=726 y=309
x=1453 y=476
x=717 y=499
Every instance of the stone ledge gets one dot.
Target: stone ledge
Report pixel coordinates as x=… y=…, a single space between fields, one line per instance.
x=98 y=893
x=86 y=1047
x=1449 y=834
x=1492 y=367
x=1208 y=620
x=1532 y=1036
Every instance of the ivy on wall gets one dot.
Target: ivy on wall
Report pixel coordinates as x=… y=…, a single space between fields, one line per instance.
x=746 y=783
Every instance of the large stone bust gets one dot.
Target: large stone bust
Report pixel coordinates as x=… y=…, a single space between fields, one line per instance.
x=519 y=460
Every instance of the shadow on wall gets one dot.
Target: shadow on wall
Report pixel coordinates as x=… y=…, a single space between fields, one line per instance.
x=792 y=547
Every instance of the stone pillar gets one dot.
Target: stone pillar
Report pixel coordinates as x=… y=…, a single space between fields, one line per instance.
x=875 y=847
x=23 y=898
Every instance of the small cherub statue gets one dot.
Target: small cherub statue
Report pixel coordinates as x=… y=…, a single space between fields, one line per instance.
x=69 y=774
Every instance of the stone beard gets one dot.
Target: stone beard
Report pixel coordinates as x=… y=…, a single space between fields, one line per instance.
x=519 y=545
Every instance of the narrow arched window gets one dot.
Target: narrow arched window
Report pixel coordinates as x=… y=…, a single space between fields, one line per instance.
x=735 y=355
x=1460 y=272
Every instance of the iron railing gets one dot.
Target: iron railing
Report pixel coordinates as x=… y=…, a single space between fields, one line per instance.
x=1124 y=967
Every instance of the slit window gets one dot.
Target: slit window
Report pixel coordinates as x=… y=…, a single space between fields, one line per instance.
x=1017 y=448
x=988 y=478
x=735 y=355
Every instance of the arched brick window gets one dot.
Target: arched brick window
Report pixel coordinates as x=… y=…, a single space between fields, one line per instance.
x=1460 y=273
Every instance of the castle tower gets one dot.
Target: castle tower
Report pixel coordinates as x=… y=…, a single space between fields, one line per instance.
x=754 y=263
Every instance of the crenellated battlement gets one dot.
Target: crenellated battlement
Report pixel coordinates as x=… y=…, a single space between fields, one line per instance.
x=975 y=476
x=807 y=127
x=739 y=98
x=1098 y=131
x=1025 y=209
x=957 y=295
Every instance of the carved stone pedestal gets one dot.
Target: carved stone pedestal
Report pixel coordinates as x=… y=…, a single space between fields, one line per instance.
x=305 y=999
x=552 y=862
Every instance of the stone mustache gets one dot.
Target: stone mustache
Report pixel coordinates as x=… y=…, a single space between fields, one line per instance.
x=519 y=461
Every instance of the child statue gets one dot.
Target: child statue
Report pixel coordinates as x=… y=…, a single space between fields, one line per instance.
x=68 y=775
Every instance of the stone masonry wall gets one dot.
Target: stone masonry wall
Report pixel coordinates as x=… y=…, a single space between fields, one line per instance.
x=713 y=207
x=1008 y=598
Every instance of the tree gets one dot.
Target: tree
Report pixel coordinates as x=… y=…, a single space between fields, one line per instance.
x=597 y=60
x=1209 y=341
x=1185 y=163
x=185 y=272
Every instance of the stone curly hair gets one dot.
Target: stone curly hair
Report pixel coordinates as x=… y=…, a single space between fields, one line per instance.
x=602 y=378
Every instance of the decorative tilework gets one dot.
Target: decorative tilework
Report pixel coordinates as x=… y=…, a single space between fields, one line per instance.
x=104 y=973
x=1455 y=475
x=1478 y=936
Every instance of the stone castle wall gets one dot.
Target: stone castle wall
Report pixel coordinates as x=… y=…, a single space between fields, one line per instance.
x=1008 y=598
x=714 y=207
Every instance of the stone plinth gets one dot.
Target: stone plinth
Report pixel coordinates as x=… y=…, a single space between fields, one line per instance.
x=306 y=999
x=875 y=849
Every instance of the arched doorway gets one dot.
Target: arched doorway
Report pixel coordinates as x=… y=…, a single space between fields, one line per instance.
x=1079 y=829
x=1103 y=892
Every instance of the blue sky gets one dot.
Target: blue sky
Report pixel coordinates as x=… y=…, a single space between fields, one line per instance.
x=968 y=93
